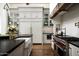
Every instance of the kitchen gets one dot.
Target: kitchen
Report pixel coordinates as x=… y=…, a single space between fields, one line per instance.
x=30 y=30
x=28 y=22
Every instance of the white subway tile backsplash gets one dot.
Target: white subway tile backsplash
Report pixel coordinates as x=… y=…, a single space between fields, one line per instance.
x=69 y=21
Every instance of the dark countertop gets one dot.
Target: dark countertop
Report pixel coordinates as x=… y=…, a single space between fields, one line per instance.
x=47 y=33
x=7 y=46
x=75 y=43
x=70 y=39
x=4 y=36
x=24 y=35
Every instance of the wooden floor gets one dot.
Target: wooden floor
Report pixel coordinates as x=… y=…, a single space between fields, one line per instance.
x=42 y=50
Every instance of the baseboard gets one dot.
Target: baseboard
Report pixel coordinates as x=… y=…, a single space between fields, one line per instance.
x=47 y=43
x=37 y=43
x=41 y=43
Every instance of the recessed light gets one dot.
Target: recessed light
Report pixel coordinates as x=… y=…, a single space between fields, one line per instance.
x=27 y=3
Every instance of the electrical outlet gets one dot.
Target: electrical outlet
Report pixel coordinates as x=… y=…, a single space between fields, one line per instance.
x=77 y=24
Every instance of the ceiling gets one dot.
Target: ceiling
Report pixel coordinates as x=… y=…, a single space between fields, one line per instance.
x=16 y=5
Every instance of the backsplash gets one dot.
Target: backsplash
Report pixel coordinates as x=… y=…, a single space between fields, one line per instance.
x=69 y=21
x=55 y=21
x=48 y=29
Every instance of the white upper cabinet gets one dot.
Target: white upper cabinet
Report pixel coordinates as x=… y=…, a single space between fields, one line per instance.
x=31 y=13
x=30 y=9
x=24 y=27
x=37 y=15
x=29 y=20
x=13 y=12
x=24 y=14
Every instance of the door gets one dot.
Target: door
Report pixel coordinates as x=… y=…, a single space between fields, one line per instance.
x=37 y=31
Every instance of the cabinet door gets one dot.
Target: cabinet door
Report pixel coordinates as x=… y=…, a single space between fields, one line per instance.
x=52 y=43
x=74 y=51
x=37 y=15
x=21 y=28
x=25 y=14
x=21 y=14
x=70 y=51
x=37 y=32
x=27 y=9
x=24 y=27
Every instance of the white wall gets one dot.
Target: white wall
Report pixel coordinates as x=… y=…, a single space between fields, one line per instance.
x=69 y=20
x=56 y=20
x=3 y=19
x=52 y=6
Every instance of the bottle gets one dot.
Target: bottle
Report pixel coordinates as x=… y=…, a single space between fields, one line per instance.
x=61 y=33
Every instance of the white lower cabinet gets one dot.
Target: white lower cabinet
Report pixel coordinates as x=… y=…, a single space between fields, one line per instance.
x=28 y=45
x=73 y=50
x=52 y=43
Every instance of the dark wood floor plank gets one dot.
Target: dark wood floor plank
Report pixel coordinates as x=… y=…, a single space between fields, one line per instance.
x=42 y=50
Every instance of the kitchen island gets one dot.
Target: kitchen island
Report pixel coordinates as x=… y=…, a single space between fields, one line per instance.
x=12 y=47
x=28 y=42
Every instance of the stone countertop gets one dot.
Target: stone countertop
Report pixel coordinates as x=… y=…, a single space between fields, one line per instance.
x=24 y=35
x=68 y=38
x=47 y=33
x=72 y=40
x=7 y=46
x=75 y=43
x=4 y=36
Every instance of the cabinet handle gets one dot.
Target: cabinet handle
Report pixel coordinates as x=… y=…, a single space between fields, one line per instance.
x=69 y=47
x=70 y=51
x=77 y=51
